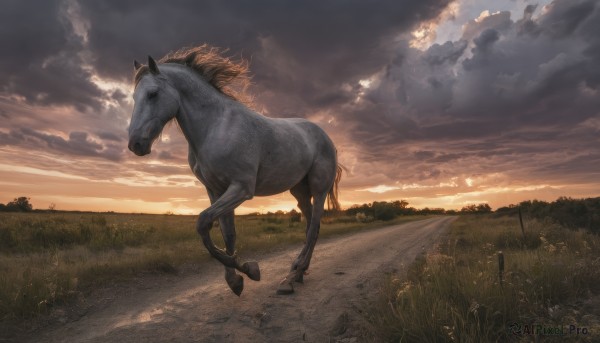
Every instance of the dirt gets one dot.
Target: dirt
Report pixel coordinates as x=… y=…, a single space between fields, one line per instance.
x=343 y=279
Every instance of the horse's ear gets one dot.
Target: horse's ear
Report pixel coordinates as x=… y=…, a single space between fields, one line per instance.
x=136 y=65
x=152 y=65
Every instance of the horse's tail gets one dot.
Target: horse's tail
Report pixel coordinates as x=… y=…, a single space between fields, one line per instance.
x=332 y=196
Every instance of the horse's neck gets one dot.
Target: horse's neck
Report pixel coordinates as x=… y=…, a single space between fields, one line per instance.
x=202 y=108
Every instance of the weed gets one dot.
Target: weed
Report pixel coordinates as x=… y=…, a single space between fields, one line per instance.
x=454 y=294
x=47 y=259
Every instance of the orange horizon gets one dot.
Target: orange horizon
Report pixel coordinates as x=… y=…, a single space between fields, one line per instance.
x=284 y=206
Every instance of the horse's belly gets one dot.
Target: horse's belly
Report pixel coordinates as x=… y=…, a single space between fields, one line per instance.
x=276 y=185
x=275 y=179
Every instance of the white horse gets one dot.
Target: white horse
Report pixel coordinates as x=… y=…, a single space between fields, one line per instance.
x=235 y=152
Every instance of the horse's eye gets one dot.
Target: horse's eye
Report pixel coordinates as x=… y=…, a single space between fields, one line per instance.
x=152 y=95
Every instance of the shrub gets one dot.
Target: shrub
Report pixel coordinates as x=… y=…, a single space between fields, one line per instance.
x=454 y=293
x=363 y=218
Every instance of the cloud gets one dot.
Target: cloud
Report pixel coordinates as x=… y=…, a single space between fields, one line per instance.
x=501 y=99
x=306 y=50
x=77 y=144
x=41 y=59
x=563 y=18
x=448 y=52
x=516 y=96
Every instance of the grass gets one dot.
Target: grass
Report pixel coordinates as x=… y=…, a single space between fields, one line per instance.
x=551 y=280
x=47 y=259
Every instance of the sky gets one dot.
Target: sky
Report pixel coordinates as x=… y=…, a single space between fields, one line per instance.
x=441 y=103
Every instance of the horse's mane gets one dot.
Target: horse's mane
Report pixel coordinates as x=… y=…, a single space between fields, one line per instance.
x=227 y=76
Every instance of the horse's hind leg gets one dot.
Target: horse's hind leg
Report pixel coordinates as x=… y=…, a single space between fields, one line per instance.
x=301 y=263
x=312 y=234
x=235 y=281
x=320 y=181
x=301 y=192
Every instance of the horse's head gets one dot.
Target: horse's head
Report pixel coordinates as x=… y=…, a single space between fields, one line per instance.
x=156 y=103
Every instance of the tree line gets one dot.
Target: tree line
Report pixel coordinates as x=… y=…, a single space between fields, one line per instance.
x=569 y=212
x=377 y=210
x=384 y=210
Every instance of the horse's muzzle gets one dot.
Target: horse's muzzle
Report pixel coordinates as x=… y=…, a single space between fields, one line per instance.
x=139 y=147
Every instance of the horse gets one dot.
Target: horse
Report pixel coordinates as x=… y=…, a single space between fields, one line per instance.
x=234 y=151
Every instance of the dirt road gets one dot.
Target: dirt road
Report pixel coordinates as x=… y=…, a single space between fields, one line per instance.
x=344 y=275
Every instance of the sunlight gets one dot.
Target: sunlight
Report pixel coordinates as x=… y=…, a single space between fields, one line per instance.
x=111 y=86
x=482 y=16
x=365 y=83
x=154 y=181
x=424 y=35
x=379 y=189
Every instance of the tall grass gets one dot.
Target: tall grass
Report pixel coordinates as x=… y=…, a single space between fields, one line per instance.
x=455 y=293
x=48 y=259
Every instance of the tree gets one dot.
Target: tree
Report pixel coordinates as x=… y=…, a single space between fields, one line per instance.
x=469 y=209
x=20 y=204
x=480 y=208
x=484 y=208
x=382 y=210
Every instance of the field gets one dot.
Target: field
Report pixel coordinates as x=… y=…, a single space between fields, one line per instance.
x=47 y=259
x=550 y=287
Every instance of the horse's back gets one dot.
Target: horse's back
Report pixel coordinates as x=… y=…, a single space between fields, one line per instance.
x=312 y=133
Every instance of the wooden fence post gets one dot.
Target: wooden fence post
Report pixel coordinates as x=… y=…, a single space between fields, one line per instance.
x=521 y=221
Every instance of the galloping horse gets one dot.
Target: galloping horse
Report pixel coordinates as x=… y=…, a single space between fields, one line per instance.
x=235 y=152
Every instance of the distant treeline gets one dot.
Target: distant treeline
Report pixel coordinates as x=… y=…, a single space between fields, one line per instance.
x=383 y=210
x=388 y=210
x=568 y=212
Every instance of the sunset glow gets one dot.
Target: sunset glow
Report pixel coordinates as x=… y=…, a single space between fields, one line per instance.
x=440 y=104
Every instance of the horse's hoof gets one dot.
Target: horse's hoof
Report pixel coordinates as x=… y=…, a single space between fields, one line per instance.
x=285 y=287
x=252 y=270
x=236 y=283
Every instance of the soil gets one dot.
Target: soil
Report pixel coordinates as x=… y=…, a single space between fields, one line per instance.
x=330 y=306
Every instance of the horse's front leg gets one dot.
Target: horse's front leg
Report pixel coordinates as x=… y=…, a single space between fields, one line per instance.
x=236 y=194
x=235 y=281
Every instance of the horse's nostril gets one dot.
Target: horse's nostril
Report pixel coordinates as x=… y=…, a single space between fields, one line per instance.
x=137 y=146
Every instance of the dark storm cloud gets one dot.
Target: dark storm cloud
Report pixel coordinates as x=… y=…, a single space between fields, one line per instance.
x=77 y=144
x=565 y=17
x=508 y=95
x=505 y=76
x=508 y=101
x=40 y=56
x=448 y=52
x=312 y=32
x=300 y=52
